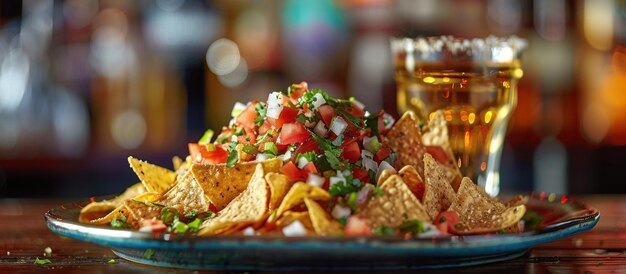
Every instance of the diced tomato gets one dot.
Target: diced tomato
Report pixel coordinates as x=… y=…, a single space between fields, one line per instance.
x=308 y=169
x=298 y=90
x=357 y=227
x=265 y=127
x=438 y=154
x=382 y=154
x=213 y=208
x=247 y=116
x=293 y=133
x=361 y=174
x=381 y=123
x=288 y=115
x=447 y=221
x=291 y=171
x=248 y=138
x=216 y=156
x=310 y=145
x=152 y=225
x=327 y=112
x=269 y=226
x=355 y=111
x=351 y=152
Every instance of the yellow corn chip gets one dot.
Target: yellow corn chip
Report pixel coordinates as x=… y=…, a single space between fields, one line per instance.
x=391 y=208
x=296 y=196
x=98 y=209
x=222 y=184
x=405 y=139
x=413 y=180
x=481 y=213
x=177 y=162
x=138 y=211
x=385 y=175
x=154 y=178
x=436 y=134
x=291 y=216
x=185 y=195
x=438 y=193
x=323 y=223
x=120 y=210
x=147 y=197
x=279 y=185
x=248 y=208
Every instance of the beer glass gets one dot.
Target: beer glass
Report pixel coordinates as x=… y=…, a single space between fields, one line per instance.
x=473 y=81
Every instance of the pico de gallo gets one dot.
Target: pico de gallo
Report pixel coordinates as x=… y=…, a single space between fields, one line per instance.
x=324 y=141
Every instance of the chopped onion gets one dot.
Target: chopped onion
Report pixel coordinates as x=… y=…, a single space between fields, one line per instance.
x=367 y=154
x=249 y=231
x=383 y=166
x=294 y=229
x=429 y=231
x=274 y=105
x=369 y=164
x=302 y=162
x=341 y=211
x=238 y=108
x=346 y=173
x=320 y=129
x=361 y=196
x=147 y=228
x=358 y=104
x=371 y=144
x=315 y=180
x=261 y=157
x=287 y=155
x=337 y=179
x=338 y=125
x=388 y=117
x=318 y=101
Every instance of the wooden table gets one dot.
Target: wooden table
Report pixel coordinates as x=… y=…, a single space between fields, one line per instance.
x=24 y=236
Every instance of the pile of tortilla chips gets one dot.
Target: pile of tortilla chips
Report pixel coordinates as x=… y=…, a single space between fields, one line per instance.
x=254 y=196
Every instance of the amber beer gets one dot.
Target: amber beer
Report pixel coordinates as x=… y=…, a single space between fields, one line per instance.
x=476 y=93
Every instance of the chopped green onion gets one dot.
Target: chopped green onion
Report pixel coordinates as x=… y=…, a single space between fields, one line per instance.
x=250 y=150
x=42 y=261
x=239 y=131
x=352 y=201
x=206 y=137
x=180 y=227
x=194 y=225
x=238 y=108
x=270 y=147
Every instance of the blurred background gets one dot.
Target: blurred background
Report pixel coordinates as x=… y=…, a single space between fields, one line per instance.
x=84 y=84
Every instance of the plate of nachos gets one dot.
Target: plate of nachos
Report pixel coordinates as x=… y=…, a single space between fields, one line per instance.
x=305 y=180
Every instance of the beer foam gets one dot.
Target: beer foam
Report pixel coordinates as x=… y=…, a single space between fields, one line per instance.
x=492 y=48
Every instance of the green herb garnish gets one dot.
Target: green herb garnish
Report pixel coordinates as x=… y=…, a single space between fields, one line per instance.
x=532 y=219
x=206 y=137
x=384 y=231
x=250 y=150
x=413 y=227
x=148 y=253
x=42 y=261
x=119 y=221
x=233 y=155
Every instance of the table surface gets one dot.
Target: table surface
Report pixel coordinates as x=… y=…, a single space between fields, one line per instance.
x=24 y=236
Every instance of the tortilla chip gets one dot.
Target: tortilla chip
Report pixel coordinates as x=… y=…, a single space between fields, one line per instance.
x=279 y=185
x=391 y=208
x=291 y=216
x=323 y=223
x=296 y=196
x=185 y=195
x=177 y=162
x=104 y=207
x=405 y=139
x=413 y=180
x=138 y=211
x=481 y=213
x=122 y=209
x=154 y=178
x=384 y=175
x=248 y=208
x=436 y=134
x=222 y=184
x=147 y=197
x=438 y=193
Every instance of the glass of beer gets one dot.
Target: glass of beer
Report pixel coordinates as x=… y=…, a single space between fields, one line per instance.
x=474 y=83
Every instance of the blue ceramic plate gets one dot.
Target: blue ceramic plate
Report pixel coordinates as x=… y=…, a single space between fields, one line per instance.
x=562 y=218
